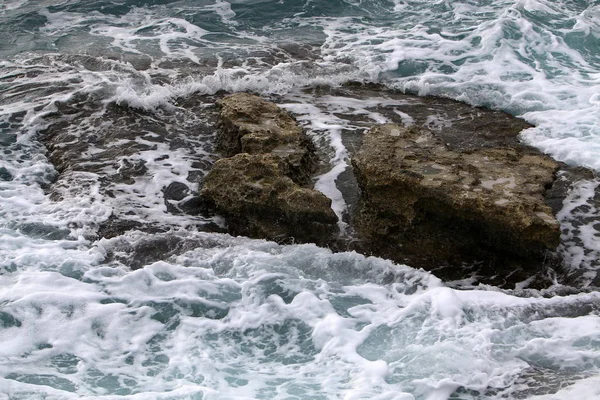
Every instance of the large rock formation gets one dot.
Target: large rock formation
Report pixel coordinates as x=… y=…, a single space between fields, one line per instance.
x=143 y=170
x=424 y=202
x=258 y=188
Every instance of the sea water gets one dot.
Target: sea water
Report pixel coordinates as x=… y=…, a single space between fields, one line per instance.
x=235 y=318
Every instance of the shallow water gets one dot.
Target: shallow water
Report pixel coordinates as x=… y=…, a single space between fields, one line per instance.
x=217 y=317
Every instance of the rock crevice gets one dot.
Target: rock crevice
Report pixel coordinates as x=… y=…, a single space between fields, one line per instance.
x=421 y=200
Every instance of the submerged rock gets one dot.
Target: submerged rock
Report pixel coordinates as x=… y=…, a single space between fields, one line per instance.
x=125 y=161
x=258 y=188
x=5 y=174
x=423 y=201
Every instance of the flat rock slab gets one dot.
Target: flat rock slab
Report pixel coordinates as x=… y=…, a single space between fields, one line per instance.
x=419 y=198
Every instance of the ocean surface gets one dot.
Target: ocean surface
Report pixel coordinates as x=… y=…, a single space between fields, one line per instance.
x=89 y=317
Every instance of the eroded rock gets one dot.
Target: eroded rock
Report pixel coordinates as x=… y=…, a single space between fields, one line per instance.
x=258 y=188
x=120 y=157
x=259 y=200
x=250 y=124
x=422 y=201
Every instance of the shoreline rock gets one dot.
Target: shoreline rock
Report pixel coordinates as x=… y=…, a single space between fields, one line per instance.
x=428 y=199
x=426 y=202
x=258 y=187
x=109 y=155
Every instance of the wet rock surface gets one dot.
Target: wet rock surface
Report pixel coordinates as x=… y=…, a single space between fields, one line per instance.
x=143 y=170
x=428 y=205
x=250 y=124
x=259 y=200
x=574 y=196
x=140 y=168
x=258 y=187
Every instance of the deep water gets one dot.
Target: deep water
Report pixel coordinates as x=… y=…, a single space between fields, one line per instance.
x=84 y=316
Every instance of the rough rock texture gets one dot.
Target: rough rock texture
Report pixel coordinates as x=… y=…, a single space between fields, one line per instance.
x=112 y=155
x=258 y=200
x=249 y=124
x=257 y=189
x=421 y=199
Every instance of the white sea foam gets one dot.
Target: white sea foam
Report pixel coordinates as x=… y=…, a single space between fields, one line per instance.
x=320 y=115
x=223 y=9
x=251 y=319
x=500 y=56
x=328 y=128
x=580 y=231
x=233 y=318
x=585 y=389
x=497 y=56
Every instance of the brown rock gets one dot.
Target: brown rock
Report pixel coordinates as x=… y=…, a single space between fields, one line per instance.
x=252 y=192
x=258 y=188
x=422 y=200
x=249 y=124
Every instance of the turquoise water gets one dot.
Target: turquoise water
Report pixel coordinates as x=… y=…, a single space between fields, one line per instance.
x=234 y=318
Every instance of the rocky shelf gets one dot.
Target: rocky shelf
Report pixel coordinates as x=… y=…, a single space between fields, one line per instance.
x=423 y=199
x=459 y=198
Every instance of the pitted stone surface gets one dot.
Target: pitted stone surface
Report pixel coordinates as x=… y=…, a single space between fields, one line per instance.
x=258 y=200
x=250 y=124
x=420 y=194
x=258 y=189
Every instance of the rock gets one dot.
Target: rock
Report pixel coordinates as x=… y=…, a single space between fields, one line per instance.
x=121 y=156
x=192 y=206
x=128 y=170
x=149 y=249
x=258 y=188
x=258 y=200
x=249 y=124
x=115 y=226
x=174 y=194
x=556 y=195
x=7 y=139
x=112 y=153
x=43 y=231
x=426 y=204
x=176 y=191
x=5 y=174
